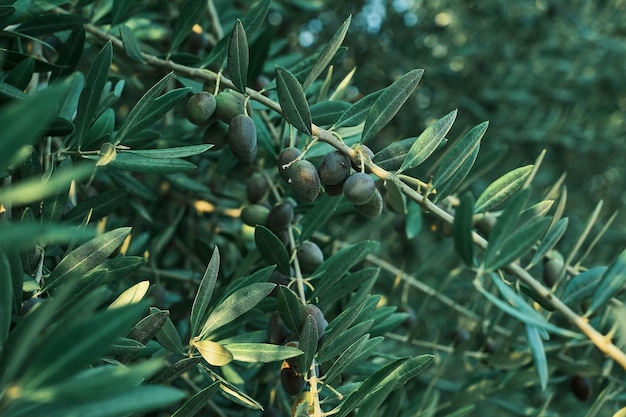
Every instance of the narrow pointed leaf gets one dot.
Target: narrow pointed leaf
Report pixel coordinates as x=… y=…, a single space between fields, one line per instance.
x=132 y=161
x=293 y=101
x=168 y=336
x=89 y=100
x=238 y=57
x=141 y=109
x=307 y=343
x=315 y=218
x=97 y=206
x=261 y=352
x=190 y=13
x=460 y=152
x=289 y=308
x=539 y=355
x=550 y=240
x=132 y=295
x=169 y=153
x=395 y=197
x=356 y=113
x=389 y=102
x=502 y=188
x=612 y=281
x=205 y=291
x=428 y=141
x=236 y=304
x=462 y=229
x=6 y=298
x=196 y=402
x=505 y=225
x=392 y=156
x=271 y=248
x=328 y=53
x=347 y=357
x=520 y=242
x=457 y=178
x=131 y=44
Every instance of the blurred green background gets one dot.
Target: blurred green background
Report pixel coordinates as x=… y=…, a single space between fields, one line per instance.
x=546 y=74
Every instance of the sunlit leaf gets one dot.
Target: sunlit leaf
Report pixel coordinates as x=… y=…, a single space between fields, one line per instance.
x=261 y=352
x=212 y=352
x=132 y=295
x=502 y=188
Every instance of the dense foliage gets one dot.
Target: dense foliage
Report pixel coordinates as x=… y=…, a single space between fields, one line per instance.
x=216 y=208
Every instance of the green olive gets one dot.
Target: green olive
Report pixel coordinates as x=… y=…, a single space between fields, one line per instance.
x=310 y=256
x=305 y=183
x=242 y=138
x=334 y=168
x=200 y=107
x=285 y=157
x=359 y=188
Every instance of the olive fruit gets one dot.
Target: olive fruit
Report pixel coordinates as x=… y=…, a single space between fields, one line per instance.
x=217 y=135
x=359 y=188
x=280 y=217
x=29 y=304
x=254 y=214
x=230 y=104
x=305 y=183
x=285 y=157
x=277 y=331
x=292 y=382
x=373 y=207
x=334 y=168
x=551 y=270
x=310 y=256
x=362 y=152
x=242 y=138
x=256 y=188
x=581 y=387
x=200 y=107
x=315 y=312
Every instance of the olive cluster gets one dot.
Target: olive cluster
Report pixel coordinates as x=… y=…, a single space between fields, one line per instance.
x=228 y=122
x=333 y=173
x=291 y=376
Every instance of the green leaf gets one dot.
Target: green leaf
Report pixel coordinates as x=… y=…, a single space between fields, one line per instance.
x=193 y=405
x=395 y=197
x=391 y=157
x=89 y=100
x=389 y=102
x=238 y=57
x=70 y=53
x=539 y=355
x=235 y=305
x=189 y=14
x=612 y=281
x=86 y=257
x=330 y=350
x=168 y=336
x=413 y=221
x=26 y=235
x=293 y=101
x=131 y=44
x=328 y=53
x=505 y=226
x=428 y=141
x=583 y=286
x=156 y=110
x=550 y=240
x=307 y=342
x=271 y=248
x=169 y=153
x=289 y=308
x=347 y=357
x=51 y=23
x=357 y=113
x=462 y=229
x=34 y=189
x=131 y=161
x=457 y=178
x=140 y=399
x=341 y=323
x=462 y=151
x=119 y=11
x=73 y=347
x=97 y=206
x=326 y=113
x=317 y=216
x=261 y=352
x=388 y=378
x=6 y=298
x=147 y=328
x=520 y=242
x=252 y=22
x=18 y=129
x=21 y=75
x=334 y=267
x=502 y=188
x=360 y=281
x=9 y=92
x=205 y=291
x=142 y=110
